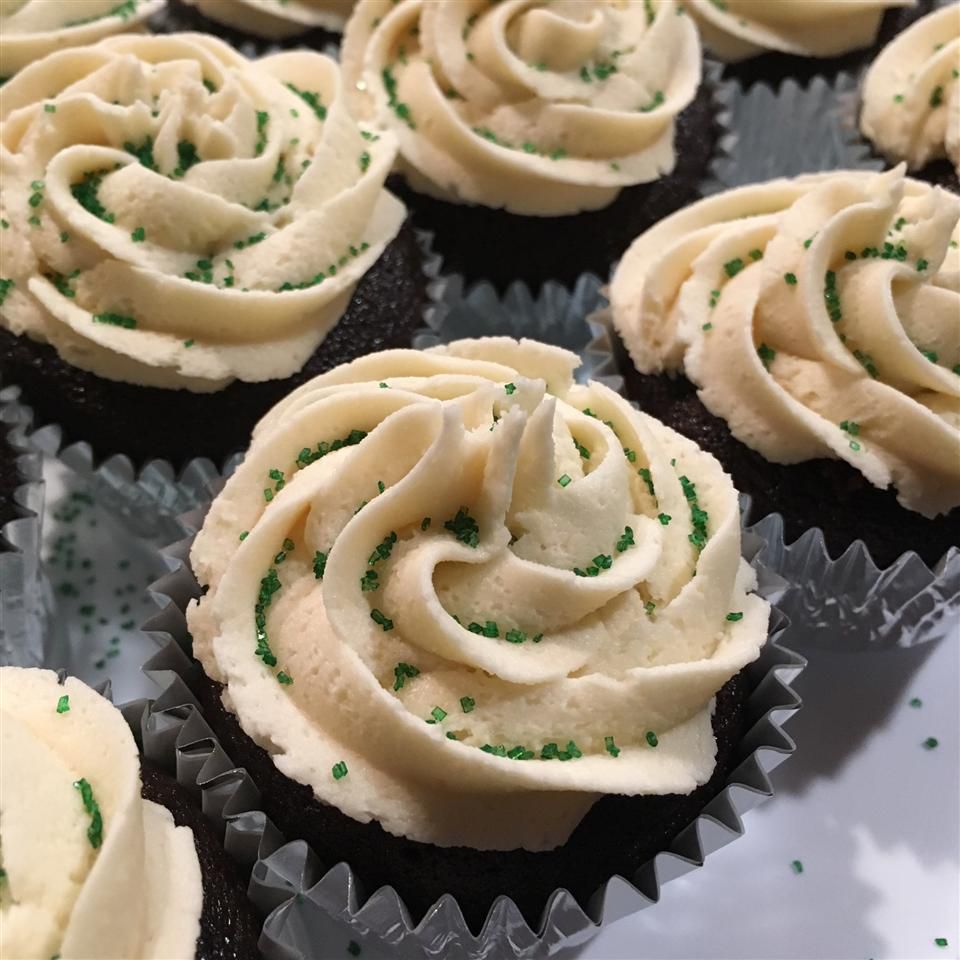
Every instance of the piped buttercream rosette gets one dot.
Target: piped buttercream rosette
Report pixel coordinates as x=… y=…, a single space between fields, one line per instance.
x=176 y=215
x=454 y=592
x=541 y=108
x=911 y=94
x=818 y=317
x=277 y=19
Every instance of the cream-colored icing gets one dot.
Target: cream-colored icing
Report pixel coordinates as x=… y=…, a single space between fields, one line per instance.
x=260 y=144
x=486 y=425
x=544 y=108
x=738 y=29
x=910 y=94
x=31 y=29
x=277 y=18
x=888 y=364
x=137 y=896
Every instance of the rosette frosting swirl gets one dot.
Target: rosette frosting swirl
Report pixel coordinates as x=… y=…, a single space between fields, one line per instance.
x=277 y=19
x=90 y=868
x=30 y=29
x=456 y=593
x=911 y=94
x=736 y=30
x=818 y=317
x=541 y=108
x=176 y=215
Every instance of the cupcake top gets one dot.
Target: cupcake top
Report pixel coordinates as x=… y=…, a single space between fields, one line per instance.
x=89 y=868
x=276 y=19
x=736 y=30
x=542 y=108
x=818 y=317
x=454 y=592
x=30 y=29
x=176 y=215
x=911 y=94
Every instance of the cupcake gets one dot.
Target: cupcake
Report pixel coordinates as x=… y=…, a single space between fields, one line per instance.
x=474 y=629
x=188 y=235
x=911 y=99
x=98 y=861
x=801 y=39
x=535 y=140
x=261 y=26
x=804 y=331
x=31 y=29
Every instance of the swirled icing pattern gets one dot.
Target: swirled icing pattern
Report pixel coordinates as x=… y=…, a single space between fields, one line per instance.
x=818 y=317
x=30 y=29
x=480 y=595
x=911 y=94
x=277 y=18
x=739 y=29
x=90 y=868
x=176 y=215
x=541 y=108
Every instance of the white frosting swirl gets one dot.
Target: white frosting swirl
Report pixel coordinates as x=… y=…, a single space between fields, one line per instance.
x=541 y=108
x=138 y=893
x=277 y=19
x=31 y=29
x=509 y=578
x=911 y=94
x=818 y=317
x=234 y=244
x=739 y=29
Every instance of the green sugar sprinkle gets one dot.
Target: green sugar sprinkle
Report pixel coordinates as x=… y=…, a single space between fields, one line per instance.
x=941 y=941
x=263 y=120
x=698 y=517
x=378 y=618
x=364 y=161
x=851 y=427
x=188 y=157
x=653 y=103
x=250 y=241
x=369 y=581
x=831 y=296
x=116 y=320
x=339 y=770
x=581 y=449
x=936 y=96
x=649 y=607
x=86 y=194
x=922 y=264
x=464 y=528
x=757 y=255
x=319 y=565
x=916 y=703
x=807 y=242
x=645 y=475
x=312 y=100
x=403 y=672
x=733 y=267
x=796 y=866
x=766 y=354
x=564 y=480
x=734 y=617
x=49 y=108
x=63 y=704
x=714 y=298
x=284 y=678
x=790 y=279
x=866 y=361
x=510 y=389
x=626 y=540
x=707 y=326
x=611 y=747
x=95 y=830
x=898 y=98
x=425 y=523
x=931 y=743
x=307 y=456
x=631 y=455
x=651 y=738
x=383 y=549
x=488 y=628
x=438 y=715
x=138 y=235
x=467 y=704
x=664 y=518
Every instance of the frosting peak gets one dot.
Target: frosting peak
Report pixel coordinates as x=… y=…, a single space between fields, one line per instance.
x=818 y=317
x=503 y=616
x=543 y=109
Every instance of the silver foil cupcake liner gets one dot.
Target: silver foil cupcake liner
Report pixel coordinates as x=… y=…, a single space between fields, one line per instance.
x=26 y=599
x=150 y=498
x=300 y=894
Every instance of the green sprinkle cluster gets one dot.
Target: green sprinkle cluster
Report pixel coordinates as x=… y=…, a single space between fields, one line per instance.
x=86 y=194
x=581 y=449
x=263 y=121
x=95 y=830
x=143 y=152
x=488 y=628
x=647 y=478
x=527 y=146
x=626 y=540
x=331 y=271
x=698 y=517
x=312 y=100
x=611 y=747
x=655 y=101
x=866 y=361
x=403 y=672
x=464 y=528
x=385 y=623
x=188 y=157
x=714 y=298
x=383 y=549
x=401 y=109
x=116 y=320
x=831 y=296
x=733 y=267
x=123 y=10
x=602 y=561
x=319 y=565
x=307 y=456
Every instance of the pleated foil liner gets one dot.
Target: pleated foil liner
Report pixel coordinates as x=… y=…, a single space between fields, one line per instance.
x=149 y=500
x=299 y=894
x=26 y=600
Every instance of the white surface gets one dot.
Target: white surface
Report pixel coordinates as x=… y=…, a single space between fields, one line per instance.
x=870 y=813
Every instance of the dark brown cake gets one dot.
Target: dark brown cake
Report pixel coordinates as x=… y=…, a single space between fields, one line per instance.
x=618 y=835
x=147 y=423
x=829 y=494
x=229 y=927
x=482 y=243
x=773 y=68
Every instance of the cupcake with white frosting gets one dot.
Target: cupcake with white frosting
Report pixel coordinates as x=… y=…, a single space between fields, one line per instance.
x=187 y=235
x=95 y=861
x=473 y=628
x=911 y=98
x=805 y=331
x=534 y=137
x=32 y=29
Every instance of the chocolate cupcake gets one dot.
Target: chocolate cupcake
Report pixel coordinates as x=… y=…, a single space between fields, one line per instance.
x=486 y=598
x=911 y=99
x=187 y=235
x=799 y=39
x=96 y=863
x=32 y=29
x=535 y=142
x=804 y=331
x=257 y=27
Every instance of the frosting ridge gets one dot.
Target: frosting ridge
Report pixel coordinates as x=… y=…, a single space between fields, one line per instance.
x=277 y=19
